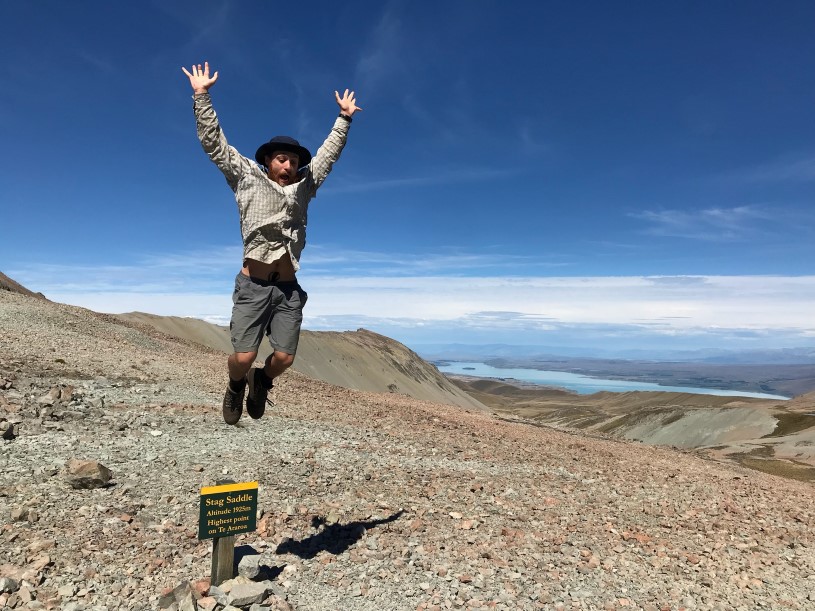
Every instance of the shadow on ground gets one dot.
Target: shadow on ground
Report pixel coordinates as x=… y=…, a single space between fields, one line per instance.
x=334 y=538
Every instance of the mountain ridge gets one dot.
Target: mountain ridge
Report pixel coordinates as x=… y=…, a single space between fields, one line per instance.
x=361 y=360
x=802 y=355
x=7 y=284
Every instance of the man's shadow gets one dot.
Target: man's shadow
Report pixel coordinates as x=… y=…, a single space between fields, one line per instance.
x=334 y=538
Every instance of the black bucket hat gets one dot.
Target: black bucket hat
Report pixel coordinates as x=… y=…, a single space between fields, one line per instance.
x=282 y=143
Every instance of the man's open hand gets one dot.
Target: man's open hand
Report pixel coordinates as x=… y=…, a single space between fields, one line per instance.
x=201 y=80
x=347 y=103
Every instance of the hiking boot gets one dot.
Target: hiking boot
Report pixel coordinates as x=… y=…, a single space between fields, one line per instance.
x=256 y=397
x=233 y=405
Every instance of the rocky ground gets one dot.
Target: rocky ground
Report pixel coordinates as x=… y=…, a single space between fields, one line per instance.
x=369 y=501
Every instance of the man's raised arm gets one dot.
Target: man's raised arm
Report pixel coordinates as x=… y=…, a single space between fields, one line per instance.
x=330 y=150
x=212 y=138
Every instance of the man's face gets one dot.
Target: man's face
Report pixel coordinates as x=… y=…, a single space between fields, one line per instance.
x=283 y=167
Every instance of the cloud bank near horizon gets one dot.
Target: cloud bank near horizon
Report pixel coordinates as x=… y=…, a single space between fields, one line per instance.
x=735 y=312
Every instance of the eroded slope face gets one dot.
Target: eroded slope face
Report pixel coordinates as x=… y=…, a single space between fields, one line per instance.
x=775 y=436
x=360 y=360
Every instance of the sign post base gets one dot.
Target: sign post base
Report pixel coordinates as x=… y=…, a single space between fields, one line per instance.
x=223 y=559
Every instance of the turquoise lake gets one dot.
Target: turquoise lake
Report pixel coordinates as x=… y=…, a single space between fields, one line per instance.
x=581 y=384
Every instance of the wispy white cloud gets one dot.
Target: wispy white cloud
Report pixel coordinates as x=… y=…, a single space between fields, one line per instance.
x=413 y=294
x=381 y=58
x=612 y=245
x=530 y=142
x=209 y=26
x=203 y=260
x=588 y=339
x=102 y=64
x=722 y=312
x=152 y=273
x=711 y=224
x=471 y=175
x=211 y=306
x=788 y=170
x=213 y=269
x=360 y=263
x=749 y=302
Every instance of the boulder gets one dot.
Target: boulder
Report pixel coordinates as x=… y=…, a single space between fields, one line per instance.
x=181 y=597
x=87 y=474
x=51 y=397
x=221 y=597
x=247 y=594
x=66 y=394
x=20 y=514
x=207 y=603
x=7 y=430
x=249 y=566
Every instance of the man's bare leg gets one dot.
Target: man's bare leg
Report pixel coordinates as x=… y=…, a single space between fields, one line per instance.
x=277 y=363
x=239 y=364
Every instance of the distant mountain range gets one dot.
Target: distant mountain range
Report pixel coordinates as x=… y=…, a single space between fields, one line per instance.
x=483 y=352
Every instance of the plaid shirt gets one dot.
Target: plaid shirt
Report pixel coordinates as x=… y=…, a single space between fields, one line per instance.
x=273 y=218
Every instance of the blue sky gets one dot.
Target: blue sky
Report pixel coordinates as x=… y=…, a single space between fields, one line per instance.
x=551 y=173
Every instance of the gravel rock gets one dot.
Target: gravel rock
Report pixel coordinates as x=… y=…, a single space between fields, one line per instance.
x=249 y=566
x=87 y=474
x=49 y=398
x=21 y=514
x=221 y=597
x=179 y=597
x=7 y=430
x=207 y=603
x=246 y=594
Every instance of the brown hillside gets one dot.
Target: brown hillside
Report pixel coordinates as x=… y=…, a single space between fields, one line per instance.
x=7 y=284
x=361 y=360
x=769 y=435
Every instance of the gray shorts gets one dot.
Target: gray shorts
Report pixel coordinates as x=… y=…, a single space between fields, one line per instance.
x=266 y=307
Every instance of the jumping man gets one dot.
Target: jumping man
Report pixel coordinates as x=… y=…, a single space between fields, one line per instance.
x=272 y=196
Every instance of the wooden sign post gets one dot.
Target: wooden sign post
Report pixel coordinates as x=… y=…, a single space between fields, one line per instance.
x=227 y=509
